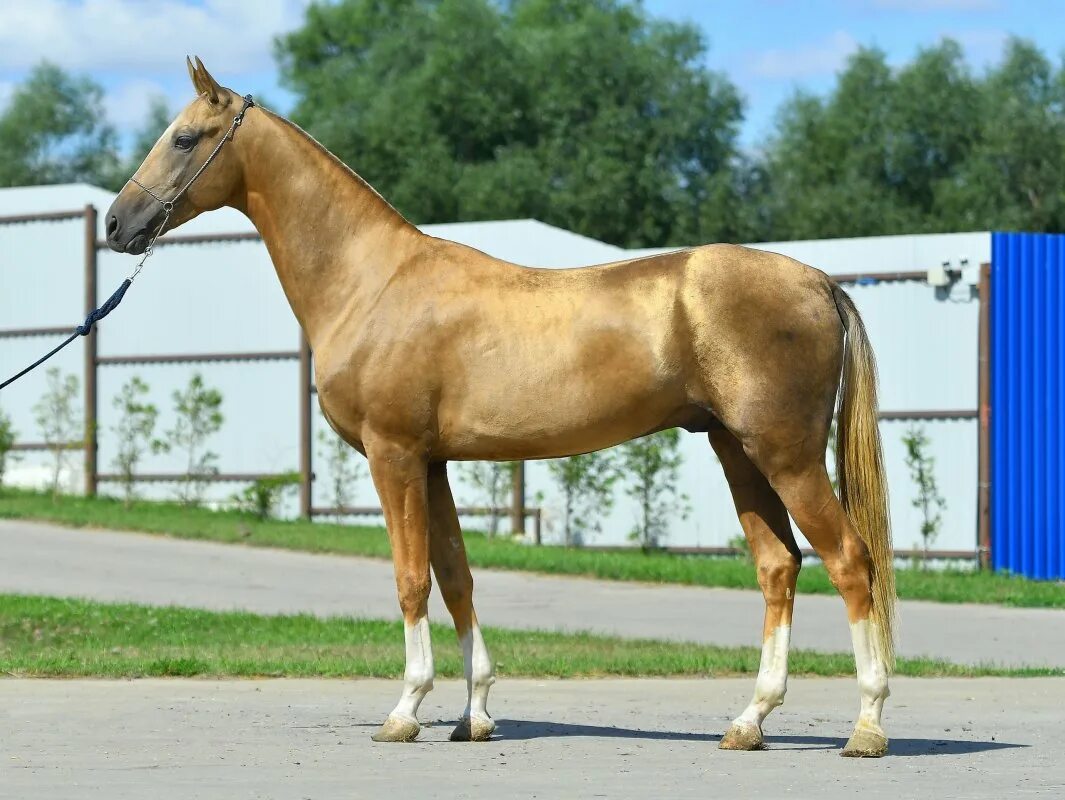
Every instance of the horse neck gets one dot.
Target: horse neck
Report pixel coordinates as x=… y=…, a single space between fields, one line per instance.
x=333 y=240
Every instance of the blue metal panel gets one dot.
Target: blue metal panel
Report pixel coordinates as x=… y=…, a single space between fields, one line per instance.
x=1028 y=395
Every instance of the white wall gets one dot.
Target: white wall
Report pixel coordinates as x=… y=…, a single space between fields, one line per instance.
x=226 y=297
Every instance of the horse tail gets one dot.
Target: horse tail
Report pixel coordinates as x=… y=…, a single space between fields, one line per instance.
x=860 y=469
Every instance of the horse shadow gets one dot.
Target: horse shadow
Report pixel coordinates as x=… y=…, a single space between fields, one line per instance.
x=517 y=730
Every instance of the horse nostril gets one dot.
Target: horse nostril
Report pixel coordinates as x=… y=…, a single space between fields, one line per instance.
x=112 y=227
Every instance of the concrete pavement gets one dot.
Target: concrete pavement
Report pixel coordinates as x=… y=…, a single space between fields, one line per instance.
x=276 y=740
x=38 y=558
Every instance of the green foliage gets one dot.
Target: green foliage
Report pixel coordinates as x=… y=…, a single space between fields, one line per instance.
x=592 y=116
x=7 y=442
x=133 y=431
x=651 y=465
x=263 y=497
x=344 y=469
x=742 y=546
x=587 y=484
x=198 y=409
x=922 y=470
x=58 y=420
x=492 y=480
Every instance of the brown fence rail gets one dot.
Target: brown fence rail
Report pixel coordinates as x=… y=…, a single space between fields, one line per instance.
x=518 y=512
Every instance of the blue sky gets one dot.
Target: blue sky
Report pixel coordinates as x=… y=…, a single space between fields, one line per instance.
x=769 y=48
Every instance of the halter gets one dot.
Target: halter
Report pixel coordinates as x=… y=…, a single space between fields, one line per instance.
x=168 y=205
x=112 y=302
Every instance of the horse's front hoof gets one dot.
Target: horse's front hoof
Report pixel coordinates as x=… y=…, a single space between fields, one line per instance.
x=398 y=729
x=477 y=729
x=742 y=737
x=866 y=743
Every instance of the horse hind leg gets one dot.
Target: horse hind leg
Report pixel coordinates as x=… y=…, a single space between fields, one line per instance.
x=767 y=528
x=447 y=552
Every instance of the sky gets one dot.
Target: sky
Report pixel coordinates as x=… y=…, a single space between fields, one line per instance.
x=768 y=48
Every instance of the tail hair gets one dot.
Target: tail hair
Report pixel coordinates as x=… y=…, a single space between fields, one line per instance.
x=860 y=470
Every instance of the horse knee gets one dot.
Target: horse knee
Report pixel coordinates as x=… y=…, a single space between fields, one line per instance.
x=777 y=578
x=414 y=591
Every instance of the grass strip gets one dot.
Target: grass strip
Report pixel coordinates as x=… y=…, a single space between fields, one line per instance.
x=172 y=519
x=52 y=637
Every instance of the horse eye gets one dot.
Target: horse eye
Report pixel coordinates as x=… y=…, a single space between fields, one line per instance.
x=184 y=142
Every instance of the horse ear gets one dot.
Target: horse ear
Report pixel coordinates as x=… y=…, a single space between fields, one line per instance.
x=202 y=81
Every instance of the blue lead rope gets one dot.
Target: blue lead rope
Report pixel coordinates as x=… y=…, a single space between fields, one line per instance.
x=84 y=329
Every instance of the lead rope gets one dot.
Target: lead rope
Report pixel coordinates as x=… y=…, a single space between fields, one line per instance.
x=112 y=302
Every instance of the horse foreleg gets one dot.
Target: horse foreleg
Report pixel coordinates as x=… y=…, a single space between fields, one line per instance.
x=400 y=475
x=448 y=555
x=777 y=558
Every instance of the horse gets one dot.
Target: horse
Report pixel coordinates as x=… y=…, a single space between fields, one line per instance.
x=427 y=351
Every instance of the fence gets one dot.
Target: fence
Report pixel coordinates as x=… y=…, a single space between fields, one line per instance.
x=301 y=355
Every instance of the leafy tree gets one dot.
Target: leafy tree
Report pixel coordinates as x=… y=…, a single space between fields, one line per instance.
x=59 y=420
x=652 y=466
x=344 y=470
x=491 y=480
x=54 y=130
x=922 y=470
x=587 y=483
x=588 y=115
x=7 y=442
x=133 y=431
x=199 y=415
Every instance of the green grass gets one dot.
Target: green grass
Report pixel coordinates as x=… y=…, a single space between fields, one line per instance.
x=50 y=637
x=946 y=586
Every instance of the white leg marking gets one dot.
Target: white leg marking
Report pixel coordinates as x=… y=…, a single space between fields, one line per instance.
x=772 y=680
x=479 y=673
x=872 y=676
x=419 y=673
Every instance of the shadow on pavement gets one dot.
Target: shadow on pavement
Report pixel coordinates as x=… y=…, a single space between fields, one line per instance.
x=522 y=730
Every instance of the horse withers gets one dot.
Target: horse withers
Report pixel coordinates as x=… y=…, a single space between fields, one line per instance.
x=427 y=351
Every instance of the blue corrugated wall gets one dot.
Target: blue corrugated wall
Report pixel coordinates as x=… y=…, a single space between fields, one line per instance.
x=1027 y=399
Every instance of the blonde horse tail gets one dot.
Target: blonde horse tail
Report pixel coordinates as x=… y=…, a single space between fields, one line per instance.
x=860 y=469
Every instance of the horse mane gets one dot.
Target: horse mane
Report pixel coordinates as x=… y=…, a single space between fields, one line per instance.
x=332 y=158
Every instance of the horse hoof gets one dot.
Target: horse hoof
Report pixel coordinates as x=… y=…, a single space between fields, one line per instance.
x=398 y=729
x=478 y=729
x=742 y=737
x=866 y=743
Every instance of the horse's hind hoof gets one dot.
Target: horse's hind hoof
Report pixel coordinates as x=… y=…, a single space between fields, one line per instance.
x=742 y=737
x=398 y=729
x=477 y=729
x=866 y=743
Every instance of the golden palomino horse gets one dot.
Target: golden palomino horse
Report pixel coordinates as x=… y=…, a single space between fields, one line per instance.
x=427 y=351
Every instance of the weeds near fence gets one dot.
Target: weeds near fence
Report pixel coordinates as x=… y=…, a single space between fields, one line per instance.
x=7 y=442
x=344 y=468
x=922 y=470
x=263 y=497
x=199 y=415
x=58 y=420
x=133 y=432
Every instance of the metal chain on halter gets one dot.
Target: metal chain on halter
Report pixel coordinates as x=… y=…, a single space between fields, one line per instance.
x=168 y=209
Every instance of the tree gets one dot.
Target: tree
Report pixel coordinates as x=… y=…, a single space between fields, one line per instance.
x=199 y=415
x=54 y=130
x=344 y=470
x=7 y=442
x=588 y=115
x=587 y=483
x=133 y=431
x=491 y=480
x=58 y=420
x=922 y=470
x=652 y=466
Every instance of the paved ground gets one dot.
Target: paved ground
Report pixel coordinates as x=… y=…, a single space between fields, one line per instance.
x=176 y=740
x=46 y=559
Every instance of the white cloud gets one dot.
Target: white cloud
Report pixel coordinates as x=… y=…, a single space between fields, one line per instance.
x=232 y=36
x=127 y=105
x=821 y=58
x=936 y=5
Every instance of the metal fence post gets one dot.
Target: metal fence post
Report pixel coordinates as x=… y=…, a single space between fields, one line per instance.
x=983 y=494
x=90 y=354
x=306 y=467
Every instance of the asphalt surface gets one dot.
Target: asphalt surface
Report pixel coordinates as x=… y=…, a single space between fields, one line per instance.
x=228 y=740
x=51 y=560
